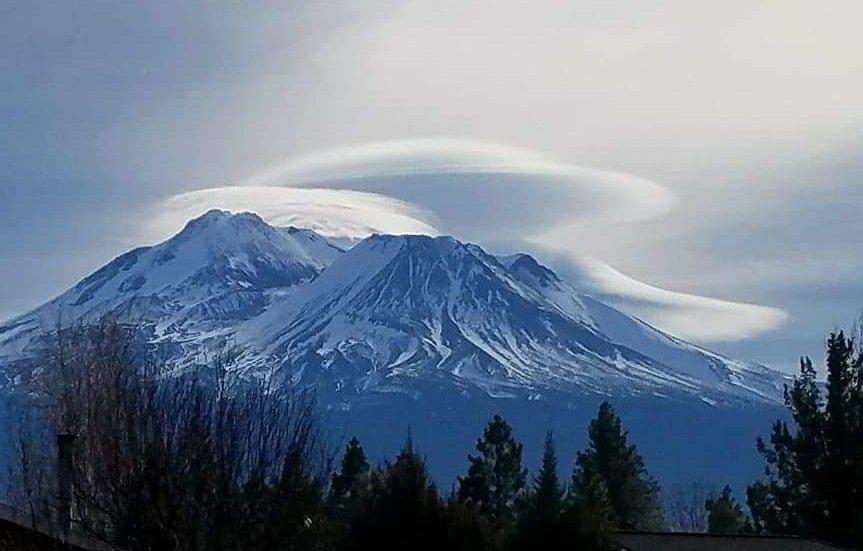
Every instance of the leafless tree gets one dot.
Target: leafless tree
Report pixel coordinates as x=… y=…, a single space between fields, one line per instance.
x=686 y=511
x=29 y=471
x=195 y=459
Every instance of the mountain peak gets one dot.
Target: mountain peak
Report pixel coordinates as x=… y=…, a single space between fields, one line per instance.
x=213 y=214
x=392 y=312
x=210 y=217
x=417 y=244
x=220 y=266
x=526 y=266
x=215 y=219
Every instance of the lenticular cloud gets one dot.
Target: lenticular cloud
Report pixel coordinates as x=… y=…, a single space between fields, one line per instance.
x=501 y=197
x=692 y=317
x=473 y=186
x=341 y=215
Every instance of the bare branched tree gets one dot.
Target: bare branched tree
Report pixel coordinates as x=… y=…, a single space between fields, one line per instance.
x=193 y=460
x=685 y=507
x=30 y=470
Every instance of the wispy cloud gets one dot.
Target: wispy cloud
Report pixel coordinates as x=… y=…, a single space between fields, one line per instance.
x=499 y=196
x=474 y=185
x=694 y=317
x=342 y=215
x=593 y=192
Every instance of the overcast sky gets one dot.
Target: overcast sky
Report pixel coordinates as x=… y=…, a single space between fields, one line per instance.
x=660 y=151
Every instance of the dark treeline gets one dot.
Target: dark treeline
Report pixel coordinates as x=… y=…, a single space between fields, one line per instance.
x=211 y=461
x=814 y=470
x=813 y=485
x=205 y=460
x=495 y=505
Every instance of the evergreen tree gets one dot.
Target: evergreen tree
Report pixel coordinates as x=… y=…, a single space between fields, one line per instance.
x=350 y=491
x=495 y=479
x=299 y=507
x=467 y=529
x=814 y=483
x=352 y=481
x=404 y=510
x=589 y=494
x=540 y=522
x=547 y=498
x=588 y=515
x=611 y=473
x=724 y=514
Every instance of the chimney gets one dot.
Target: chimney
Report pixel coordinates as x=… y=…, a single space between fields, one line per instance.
x=65 y=444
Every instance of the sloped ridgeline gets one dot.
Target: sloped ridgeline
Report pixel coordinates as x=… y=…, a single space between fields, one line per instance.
x=425 y=334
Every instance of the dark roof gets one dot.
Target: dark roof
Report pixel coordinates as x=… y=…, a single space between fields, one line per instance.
x=680 y=541
x=18 y=532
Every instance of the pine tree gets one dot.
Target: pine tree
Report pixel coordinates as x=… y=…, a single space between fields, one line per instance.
x=842 y=432
x=724 y=514
x=588 y=496
x=540 y=522
x=814 y=483
x=587 y=515
x=404 y=510
x=495 y=479
x=610 y=477
x=350 y=491
x=785 y=502
x=467 y=529
x=352 y=480
x=299 y=506
x=547 y=498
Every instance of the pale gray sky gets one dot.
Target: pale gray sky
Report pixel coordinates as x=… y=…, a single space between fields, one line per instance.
x=750 y=114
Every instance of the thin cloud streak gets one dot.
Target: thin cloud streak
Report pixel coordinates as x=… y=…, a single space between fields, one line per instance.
x=341 y=215
x=613 y=195
x=692 y=317
x=565 y=197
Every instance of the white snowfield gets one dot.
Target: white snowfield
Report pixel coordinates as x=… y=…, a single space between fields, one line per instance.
x=390 y=314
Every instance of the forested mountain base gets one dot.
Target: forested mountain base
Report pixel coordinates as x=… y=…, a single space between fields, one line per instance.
x=142 y=458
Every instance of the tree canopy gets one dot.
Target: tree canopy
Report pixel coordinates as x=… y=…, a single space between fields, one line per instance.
x=610 y=478
x=814 y=483
x=495 y=479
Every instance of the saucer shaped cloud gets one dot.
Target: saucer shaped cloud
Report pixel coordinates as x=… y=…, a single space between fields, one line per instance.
x=504 y=198
x=693 y=317
x=343 y=216
x=478 y=188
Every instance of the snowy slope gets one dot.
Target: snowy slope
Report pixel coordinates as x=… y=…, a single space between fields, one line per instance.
x=316 y=248
x=682 y=357
x=220 y=269
x=392 y=314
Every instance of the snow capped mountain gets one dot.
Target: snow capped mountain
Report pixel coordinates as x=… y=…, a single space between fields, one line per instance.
x=684 y=358
x=392 y=314
x=220 y=269
x=314 y=247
